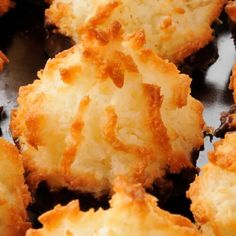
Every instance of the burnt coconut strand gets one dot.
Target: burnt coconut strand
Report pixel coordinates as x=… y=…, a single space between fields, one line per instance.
x=228 y=122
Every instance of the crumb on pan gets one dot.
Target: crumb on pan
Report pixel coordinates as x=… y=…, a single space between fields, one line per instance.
x=132 y=212
x=3 y=60
x=103 y=108
x=14 y=195
x=213 y=192
x=174 y=29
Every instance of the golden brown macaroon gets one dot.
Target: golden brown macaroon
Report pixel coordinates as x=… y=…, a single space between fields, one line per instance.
x=14 y=195
x=132 y=212
x=174 y=28
x=104 y=108
x=213 y=193
x=5 y=5
x=231 y=10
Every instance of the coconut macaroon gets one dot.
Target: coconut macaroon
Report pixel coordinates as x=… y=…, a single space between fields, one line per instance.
x=132 y=212
x=103 y=108
x=14 y=196
x=174 y=28
x=5 y=5
x=213 y=193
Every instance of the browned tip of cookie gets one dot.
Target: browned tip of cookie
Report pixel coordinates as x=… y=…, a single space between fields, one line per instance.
x=3 y=60
x=138 y=39
x=231 y=10
x=103 y=37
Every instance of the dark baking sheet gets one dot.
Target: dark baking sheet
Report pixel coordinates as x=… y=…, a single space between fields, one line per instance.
x=22 y=39
x=28 y=44
x=212 y=89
